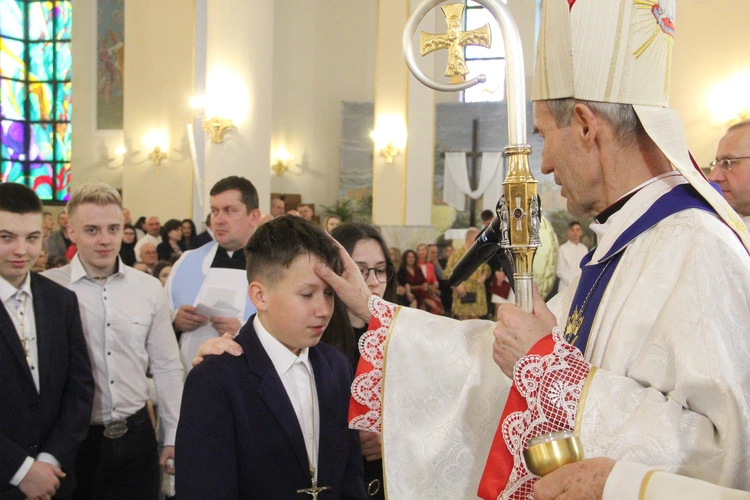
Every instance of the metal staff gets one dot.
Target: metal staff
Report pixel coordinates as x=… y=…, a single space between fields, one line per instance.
x=518 y=213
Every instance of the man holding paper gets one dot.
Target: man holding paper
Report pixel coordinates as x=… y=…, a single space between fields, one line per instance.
x=207 y=289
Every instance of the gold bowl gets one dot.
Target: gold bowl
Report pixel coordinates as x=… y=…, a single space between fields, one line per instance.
x=548 y=452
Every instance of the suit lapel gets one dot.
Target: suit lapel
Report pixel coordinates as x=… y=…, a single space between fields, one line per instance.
x=11 y=336
x=327 y=388
x=43 y=330
x=271 y=390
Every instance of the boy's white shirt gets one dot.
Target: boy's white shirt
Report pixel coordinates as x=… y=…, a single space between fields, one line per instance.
x=296 y=373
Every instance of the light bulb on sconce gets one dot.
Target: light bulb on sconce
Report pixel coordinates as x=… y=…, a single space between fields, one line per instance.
x=215 y=126
x=389 y=137
x=283 y=160
x=157 y=143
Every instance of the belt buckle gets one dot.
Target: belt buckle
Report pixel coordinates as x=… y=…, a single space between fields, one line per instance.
x=115 y=429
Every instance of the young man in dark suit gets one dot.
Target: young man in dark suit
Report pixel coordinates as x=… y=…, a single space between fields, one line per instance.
x=46 y=383
x=272 y=423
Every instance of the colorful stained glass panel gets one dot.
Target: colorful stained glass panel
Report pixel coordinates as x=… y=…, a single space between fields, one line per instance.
x=11 y=171
x=41 y=173
x=11 y=18
x=12 y=97
x=64 y=61
x=62 y=181
x=62 y=142
x=13 y=138
x=40 y=146
x=41 y=61
x=11 y=59
x=63 y=104
x=64 y=20
x=41 y=21
x=40 y=101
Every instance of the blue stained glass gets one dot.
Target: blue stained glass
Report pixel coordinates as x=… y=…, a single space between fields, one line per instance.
x=41 y=21
x=62 y=142
x=11 y=172
x=63 y=105
x=40 y=146
x=64 y=20
x=64 y=61
x=13 y=135
x=11 y=59
x=12 y=97
x=41 y=56
x=41 y=175
x=62 y=181
x=11 y=18
x=40 y=101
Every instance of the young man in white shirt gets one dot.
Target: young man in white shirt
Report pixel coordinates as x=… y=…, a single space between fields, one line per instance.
x=569 y=256
x=46 y=387
x=128 y=329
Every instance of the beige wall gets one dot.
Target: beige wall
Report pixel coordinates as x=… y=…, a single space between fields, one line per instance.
x=93 y=155
x=158 y=87
x=712 y=43
x=323 y=54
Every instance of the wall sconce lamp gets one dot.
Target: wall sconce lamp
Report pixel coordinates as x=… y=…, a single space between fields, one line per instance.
x=283 y=161
x=156 y=143
x=215 y=126
x=389 y=137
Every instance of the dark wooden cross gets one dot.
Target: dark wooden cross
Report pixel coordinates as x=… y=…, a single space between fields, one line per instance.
x=473 y=165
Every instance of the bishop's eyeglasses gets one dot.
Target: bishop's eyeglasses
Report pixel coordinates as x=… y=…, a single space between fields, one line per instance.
x=726 y=164
x=383 y=273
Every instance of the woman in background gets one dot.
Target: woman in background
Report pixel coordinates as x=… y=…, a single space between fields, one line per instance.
x=470 y=297
x=369 y=251
x=188 y=234
x=127 y=249
x=171 y=235
x=332 y=222
x=410 y=276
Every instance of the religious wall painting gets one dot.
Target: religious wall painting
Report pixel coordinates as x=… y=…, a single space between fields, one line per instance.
x=35 y=96
x=355 y=167
x=110 y=42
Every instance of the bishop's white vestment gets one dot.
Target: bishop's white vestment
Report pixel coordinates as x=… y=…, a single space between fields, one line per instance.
x=664 y=379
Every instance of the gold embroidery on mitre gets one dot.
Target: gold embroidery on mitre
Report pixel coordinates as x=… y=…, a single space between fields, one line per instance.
x=574 y=324
x=656 y=21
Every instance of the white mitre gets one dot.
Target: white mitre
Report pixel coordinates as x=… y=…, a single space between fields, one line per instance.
x=620 y=51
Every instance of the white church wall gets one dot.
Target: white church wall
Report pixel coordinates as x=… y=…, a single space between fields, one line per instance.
x=323 y=54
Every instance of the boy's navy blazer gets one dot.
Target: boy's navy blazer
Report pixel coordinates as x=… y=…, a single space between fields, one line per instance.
x=238 y=435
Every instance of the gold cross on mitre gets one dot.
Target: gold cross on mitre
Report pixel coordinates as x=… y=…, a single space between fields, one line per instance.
x=455 y=40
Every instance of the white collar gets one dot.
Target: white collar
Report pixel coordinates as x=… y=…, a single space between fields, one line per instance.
x=77 y=271
x=281 y=357
x=645 y=195
x=7 y=290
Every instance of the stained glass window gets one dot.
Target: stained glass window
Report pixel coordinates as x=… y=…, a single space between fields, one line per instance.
x=487 y=61
x=35 y=96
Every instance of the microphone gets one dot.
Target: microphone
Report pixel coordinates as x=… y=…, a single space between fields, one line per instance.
x=486 y=246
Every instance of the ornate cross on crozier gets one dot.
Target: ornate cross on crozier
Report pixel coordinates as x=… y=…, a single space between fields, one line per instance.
x=314 y=490
x=455 y=40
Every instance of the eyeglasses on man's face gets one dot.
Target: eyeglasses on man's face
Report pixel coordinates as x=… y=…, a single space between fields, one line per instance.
x=382 y=273
x=727 y=164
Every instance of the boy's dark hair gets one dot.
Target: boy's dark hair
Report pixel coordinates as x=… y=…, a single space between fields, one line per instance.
x=19 y=199
x=574 y=223
x=248 y=193
x=487 y=215
x=275 y=245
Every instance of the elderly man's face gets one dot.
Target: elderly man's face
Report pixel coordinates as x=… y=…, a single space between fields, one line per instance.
x=278 y=207
x=735 y=184
x=153 y=226
x=148 y=254
x=562 y=156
